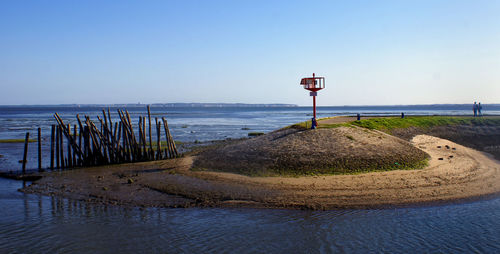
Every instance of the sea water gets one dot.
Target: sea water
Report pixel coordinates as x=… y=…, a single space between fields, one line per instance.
x=40 y=224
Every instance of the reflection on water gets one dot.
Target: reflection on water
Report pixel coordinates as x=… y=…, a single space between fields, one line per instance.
x=39 y=224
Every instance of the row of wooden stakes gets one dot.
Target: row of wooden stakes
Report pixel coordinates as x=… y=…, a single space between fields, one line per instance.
x=110 y=143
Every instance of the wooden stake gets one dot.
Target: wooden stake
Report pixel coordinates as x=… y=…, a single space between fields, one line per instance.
x=74 y=150
x=69 y=162
x=86 y=144
x=80 y=156
x=110 y=123
x=150 y=137
x=145 y=150
x=61 y=146
x=39 y=149
x=58 y=150
x=141 y=142
x=170 y=142
x=52 y=140
x=158 y=140
x=26 y=140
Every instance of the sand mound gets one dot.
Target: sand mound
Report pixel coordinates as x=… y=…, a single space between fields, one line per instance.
x=293 y=151
x=454 y=172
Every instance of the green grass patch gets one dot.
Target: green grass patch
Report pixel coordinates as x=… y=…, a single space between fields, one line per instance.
x=19 y=140
x=334 y=125
x=346 y=170
x=340 y=170
x=389 y=123
x=307 y=125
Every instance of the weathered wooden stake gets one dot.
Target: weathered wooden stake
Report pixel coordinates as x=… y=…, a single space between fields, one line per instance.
x=26 y=140
x=145 y=150
x=141 y=143
x=80 y=156
x=170 y=140
x=86 y=144
x=158 y=140
x=52 y=140
x=151 y=155
x=69 y=162
x=58 y=150
x=61 y=146
x=39 y=149
x=74 y=150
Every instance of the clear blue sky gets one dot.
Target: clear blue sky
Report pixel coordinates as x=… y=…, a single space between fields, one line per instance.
x=371 y=52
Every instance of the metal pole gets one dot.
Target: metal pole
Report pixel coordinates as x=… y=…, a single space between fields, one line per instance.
x=314 y=106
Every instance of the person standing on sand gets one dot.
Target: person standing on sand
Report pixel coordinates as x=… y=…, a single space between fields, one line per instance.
x=479 y=108
x=474 y=108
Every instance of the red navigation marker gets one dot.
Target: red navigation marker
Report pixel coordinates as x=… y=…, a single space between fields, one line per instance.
x=313 y=84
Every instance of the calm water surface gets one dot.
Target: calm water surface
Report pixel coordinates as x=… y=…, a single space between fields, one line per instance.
x=40 y=224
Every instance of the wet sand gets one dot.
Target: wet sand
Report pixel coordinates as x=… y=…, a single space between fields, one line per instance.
x=454 y=173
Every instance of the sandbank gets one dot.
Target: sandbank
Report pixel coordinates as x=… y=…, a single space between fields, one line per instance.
x=455 y=172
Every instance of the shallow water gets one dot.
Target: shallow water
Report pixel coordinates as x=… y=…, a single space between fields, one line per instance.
x=39 y=224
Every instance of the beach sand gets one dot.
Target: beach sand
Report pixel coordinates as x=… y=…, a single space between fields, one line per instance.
x=454 y=173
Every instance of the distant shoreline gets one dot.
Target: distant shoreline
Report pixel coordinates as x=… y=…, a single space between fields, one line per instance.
x=468 y=106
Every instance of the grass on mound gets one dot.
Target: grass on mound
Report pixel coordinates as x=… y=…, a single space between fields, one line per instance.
x=307 y=125
x=340 y=167
x=346 y=169
x=390 y=123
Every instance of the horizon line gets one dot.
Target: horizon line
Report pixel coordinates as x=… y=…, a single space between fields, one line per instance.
x=173 y=104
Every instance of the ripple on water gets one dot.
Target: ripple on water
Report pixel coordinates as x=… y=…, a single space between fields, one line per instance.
x=31 y=224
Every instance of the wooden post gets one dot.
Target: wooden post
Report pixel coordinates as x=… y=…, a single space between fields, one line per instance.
x=110 y=123
x=39 y=149
x=118 y=147
x=61 y=146
x=52 y=146
x=151 y=155
x=86 y=144
x=141 y=143
x=115 y=147
x=145 y=150
x=80 y=156
x=158 y=140
x=58 y=150
x=124 y=141
x=170 y=140
x=133 y=141
x=26 y=140
x=167 y=147
x=74 y=150
x=69 y=162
